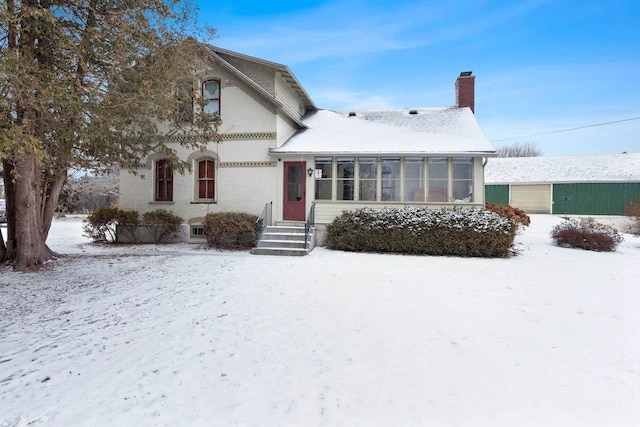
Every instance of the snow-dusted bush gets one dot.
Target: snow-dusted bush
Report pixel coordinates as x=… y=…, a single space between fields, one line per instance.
x=162 y=224
x=112 y=225
x=514 y=214
x=586 y=234
x=409 y=230
x=100 y=225
x=127 y=226
x=230 y=230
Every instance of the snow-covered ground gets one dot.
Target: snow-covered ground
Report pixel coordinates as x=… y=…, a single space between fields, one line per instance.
x=182 y=336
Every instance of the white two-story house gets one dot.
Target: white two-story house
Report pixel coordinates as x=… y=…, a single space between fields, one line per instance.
x=282 y=152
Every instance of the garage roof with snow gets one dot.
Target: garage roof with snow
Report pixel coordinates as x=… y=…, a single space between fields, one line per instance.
x=564 y=169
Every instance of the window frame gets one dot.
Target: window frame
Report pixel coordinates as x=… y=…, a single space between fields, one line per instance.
x=365 y=181
x=206 y=100
x=415 y=184
x=412 y=179
x=325 y=164
x=163 y=182
x=464 y=180
x=346 y=182
x=391 y=185
x=210 y=181
x=432 y=195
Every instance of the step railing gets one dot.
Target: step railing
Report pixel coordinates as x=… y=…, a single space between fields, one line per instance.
x=309 y=223
x=264 y=220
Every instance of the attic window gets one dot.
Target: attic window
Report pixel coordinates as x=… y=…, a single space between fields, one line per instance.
x=413 y=111
x=211 y=95
x=352 y=114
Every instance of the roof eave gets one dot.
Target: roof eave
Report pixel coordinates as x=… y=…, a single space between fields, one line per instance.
x=248 y=81
x=280 y=151
x=283 y=69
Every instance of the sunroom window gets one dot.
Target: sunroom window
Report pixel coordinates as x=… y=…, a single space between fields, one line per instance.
x=368 y=178
x=438 y=169
x=345 y=178
x=391 y=179
x=324 y=182
x=463 y=179
x=414 y=179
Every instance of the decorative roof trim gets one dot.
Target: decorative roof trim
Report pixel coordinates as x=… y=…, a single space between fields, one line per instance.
x=247 y=136
x=247 y=164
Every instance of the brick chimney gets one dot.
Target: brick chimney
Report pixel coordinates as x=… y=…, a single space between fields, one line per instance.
x=465 y=90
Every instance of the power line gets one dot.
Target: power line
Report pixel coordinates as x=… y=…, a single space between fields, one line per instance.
x=567 y=130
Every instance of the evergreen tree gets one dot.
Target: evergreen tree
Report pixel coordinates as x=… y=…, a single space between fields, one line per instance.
x=83 y=84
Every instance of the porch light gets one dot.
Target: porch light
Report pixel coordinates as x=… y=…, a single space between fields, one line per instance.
x=310 y=172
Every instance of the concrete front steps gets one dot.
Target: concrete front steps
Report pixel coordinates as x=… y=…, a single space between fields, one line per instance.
x=284 y=240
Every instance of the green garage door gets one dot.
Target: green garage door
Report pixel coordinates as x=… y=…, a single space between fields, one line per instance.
x=497 y=194
x=594 y=198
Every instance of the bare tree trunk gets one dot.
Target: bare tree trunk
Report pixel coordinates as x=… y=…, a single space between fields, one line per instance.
x=3 y=249
x=10 y=196
x=31 y=249
x=51 y=195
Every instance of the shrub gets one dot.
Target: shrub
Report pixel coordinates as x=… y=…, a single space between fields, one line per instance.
x=514 y=214
x=230 y=230
x=633 y=212
x=586 y=234
x=162 y=224
x=127 y=225
x=409 y=230
x=100 y=225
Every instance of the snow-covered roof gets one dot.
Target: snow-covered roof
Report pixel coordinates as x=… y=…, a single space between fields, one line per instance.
x=443 y=131
x=591 y=168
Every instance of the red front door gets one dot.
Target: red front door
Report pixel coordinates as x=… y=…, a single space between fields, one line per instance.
x=294 y=191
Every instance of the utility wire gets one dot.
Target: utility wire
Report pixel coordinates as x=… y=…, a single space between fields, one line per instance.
x=566 y=130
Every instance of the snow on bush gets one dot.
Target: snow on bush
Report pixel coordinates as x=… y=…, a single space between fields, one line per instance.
x=461 y=232
x=230 y=230
x=586 y=234
x=112 y=225
x=514 y=214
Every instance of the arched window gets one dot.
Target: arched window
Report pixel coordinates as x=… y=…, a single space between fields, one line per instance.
x=164 y=181
x=211 y=96
x=206 y=179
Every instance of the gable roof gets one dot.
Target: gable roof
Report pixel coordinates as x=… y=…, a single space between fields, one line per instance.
x=442 y=131
x=218 y=55
x=563 y=169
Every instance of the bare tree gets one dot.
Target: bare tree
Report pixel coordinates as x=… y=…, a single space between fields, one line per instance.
x=85 y=192
x=519 y=149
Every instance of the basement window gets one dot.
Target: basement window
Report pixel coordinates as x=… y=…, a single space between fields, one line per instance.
x=197 y=231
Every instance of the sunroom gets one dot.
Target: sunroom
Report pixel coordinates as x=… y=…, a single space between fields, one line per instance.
x=432 y=157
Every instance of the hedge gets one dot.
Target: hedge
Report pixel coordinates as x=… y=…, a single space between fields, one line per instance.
x=410 y=230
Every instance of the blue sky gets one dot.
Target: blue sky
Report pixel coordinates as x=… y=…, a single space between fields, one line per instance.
x=540 y=65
